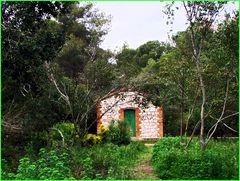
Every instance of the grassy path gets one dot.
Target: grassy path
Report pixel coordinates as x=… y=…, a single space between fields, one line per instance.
x=143 y=169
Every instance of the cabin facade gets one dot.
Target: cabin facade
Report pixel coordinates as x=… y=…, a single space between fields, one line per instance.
x=145 y=119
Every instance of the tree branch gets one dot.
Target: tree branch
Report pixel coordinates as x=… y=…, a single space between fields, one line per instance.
x=220 y=118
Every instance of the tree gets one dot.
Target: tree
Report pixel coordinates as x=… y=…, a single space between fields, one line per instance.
x=126 y=63
x=224 y=57
x=100 y=75
x=85 y=28
x=29 y=38
x=169 y=82
x=130 y=62
x=200 y=16
x=150 y=50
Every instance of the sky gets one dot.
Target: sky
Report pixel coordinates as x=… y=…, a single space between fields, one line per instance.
x=135 y=23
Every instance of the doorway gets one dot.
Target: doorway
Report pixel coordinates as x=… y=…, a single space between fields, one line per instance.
x=130 y=118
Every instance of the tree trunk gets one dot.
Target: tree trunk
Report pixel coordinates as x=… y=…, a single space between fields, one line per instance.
x=202 y=115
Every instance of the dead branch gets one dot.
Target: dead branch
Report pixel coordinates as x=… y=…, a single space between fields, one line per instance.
x=51 y=77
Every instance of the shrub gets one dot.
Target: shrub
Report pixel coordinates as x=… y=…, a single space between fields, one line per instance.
x=49 y=165
x=6 y=171
x=137 y=146
x=102 y=132
x=218 y=161
x=68 y=131
x=91 y=139
x=118 y=132
x=87 y=173
x=167 y=143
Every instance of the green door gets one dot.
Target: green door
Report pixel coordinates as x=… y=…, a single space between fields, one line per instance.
x=129 y=116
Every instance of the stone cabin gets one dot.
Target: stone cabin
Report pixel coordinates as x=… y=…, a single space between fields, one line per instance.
x=145 y=120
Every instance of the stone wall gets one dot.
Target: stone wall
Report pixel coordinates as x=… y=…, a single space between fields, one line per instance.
x=149 y=119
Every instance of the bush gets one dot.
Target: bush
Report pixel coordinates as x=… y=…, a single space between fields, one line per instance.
x=167 y=143
x=87 y=173
x=6 y=171
x=91 y=139
x=118 y=133
x=102 y=132
x=68 y=131
x=49 y=165
x=218 y=161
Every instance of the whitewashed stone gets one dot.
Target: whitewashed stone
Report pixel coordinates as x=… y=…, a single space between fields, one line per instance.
x=149 y=116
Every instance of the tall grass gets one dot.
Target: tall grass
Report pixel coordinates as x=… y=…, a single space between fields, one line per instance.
x=108 y=160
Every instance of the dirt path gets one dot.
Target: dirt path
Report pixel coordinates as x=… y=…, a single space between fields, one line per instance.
x=143 y=170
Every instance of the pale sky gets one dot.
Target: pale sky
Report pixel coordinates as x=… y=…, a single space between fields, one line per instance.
x=138 y=22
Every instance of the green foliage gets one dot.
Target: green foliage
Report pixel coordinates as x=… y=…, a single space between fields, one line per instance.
x=6 y=172
x=126 y=63
x=150 y=50
x=49 y=165
x=102 y=130
x=35 y=38
x=222 y=53
x=67 y=129
x=103 y=161
x=171 y=161
x=26 y=170
x=131 y=61
x=32 y=104
x=100 y=74
x=88 y=169
x=73 y=37
x=110 y=174
x=178 y=89
x=166 y=144
x=106 y=161
x=85 y=28
x=118 y=132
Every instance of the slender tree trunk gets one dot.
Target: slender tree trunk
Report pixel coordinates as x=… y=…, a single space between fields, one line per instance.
x=182 y=108
x=202 y=114
x=200 y=18
x=197 y=56
x=203 y=91
x=181 y=123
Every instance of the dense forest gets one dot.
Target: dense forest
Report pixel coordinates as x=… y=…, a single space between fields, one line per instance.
x=54 y=70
